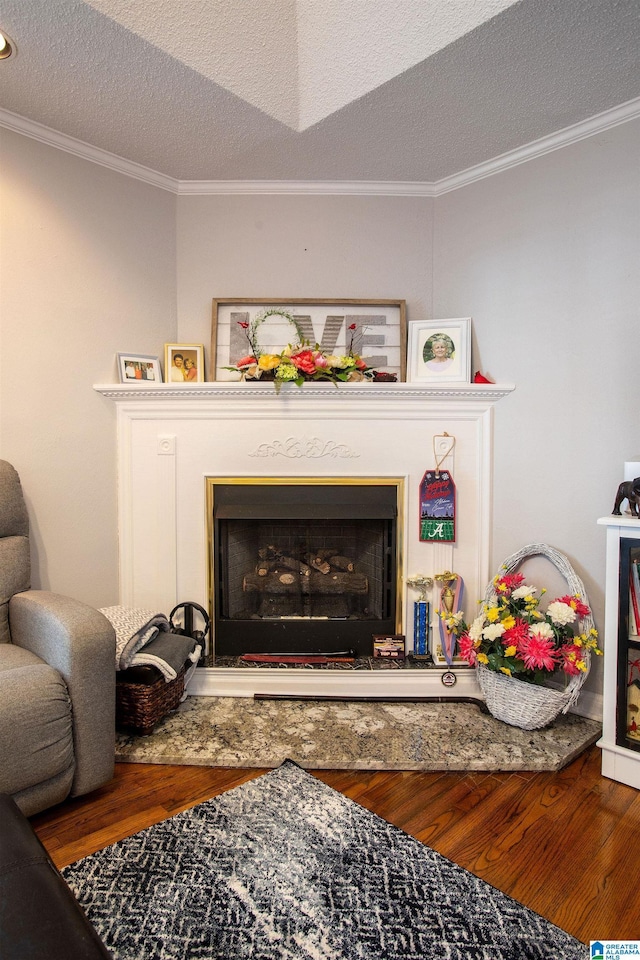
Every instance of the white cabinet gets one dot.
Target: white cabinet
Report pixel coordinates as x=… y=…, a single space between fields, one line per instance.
x=620 y=741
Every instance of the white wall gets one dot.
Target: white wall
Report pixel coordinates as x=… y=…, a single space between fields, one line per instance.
x=294 y=246
x=545 y=259
x=87 y=268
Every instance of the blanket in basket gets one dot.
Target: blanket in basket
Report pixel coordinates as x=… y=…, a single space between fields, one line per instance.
x=143 y=638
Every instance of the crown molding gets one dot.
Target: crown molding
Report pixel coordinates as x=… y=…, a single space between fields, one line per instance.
x=327 y=188
x=539 y=148
x=371 y=188
x=53 y=138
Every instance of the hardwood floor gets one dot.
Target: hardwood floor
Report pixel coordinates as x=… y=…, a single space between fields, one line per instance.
x=565 y=844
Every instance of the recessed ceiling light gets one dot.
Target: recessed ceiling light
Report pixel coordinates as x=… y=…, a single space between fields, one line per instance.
x=6 y=46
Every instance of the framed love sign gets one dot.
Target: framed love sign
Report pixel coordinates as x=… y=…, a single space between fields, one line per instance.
x=375 y=329
x=438 y=507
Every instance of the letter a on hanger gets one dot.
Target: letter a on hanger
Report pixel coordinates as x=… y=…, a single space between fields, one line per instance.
x=438 y=503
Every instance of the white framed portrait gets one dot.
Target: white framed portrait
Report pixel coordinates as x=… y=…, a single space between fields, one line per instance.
x=439 y=351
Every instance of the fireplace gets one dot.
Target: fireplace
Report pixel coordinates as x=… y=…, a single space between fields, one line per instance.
x=176 y=442
x=306 y=565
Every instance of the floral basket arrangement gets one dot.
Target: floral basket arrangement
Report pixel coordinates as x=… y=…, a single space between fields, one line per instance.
x=517 y=648
x=300 y=362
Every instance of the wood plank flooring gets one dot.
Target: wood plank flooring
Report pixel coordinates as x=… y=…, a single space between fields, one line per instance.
x=565 y=844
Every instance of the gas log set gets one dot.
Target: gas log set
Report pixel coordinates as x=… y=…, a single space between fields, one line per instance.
x=321 y=583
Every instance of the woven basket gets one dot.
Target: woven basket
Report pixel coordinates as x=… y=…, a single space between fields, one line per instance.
x=527 y=705
x=140 y=706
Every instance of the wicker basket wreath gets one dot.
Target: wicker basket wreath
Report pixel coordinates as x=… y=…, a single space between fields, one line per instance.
x=527 y=705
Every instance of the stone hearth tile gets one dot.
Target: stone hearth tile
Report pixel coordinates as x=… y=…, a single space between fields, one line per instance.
x=358 y=735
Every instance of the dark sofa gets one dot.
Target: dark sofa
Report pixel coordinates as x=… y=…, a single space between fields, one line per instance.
x=40 y=918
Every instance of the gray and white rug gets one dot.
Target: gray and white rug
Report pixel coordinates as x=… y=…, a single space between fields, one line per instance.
x=286 y=868
x=353 y=735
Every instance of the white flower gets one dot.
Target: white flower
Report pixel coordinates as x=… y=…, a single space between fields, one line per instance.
x=521 y=592
x=493 y=631
x=455 y=618
x=542 y=630
x=561 y=613
x=475 y=630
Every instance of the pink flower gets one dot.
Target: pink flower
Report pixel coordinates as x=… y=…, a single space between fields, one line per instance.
x=360 y=364
x=537 y=652
x=467 y=649
x=576 y=604
x=320 y=360
x=572 y=659
x=516 y=633
x=245 y=362
x=505 y=584
x=304 y=361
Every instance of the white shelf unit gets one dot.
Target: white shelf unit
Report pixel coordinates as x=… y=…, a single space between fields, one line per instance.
x=619 y=761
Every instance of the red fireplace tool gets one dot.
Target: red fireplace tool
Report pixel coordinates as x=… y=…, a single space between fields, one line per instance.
x=340 y=656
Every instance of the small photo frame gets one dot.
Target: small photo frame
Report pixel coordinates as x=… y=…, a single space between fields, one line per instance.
x=139 y=368
x=184 y=363
x=439 y=351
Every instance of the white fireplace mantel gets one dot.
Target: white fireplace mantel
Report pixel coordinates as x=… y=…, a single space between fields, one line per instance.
x=171 y=437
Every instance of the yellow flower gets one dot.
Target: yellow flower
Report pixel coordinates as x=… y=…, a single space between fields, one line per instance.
x=483 y=658
x=268 y=361
x=508 y=622
x=510 y=652
x=493 y=614
x=504 y=670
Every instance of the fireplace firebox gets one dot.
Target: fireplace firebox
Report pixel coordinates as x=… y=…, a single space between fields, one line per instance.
x=304 y=565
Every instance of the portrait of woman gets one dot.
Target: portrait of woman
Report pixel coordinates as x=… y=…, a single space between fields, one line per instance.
x=439 y=352
x=190 y=369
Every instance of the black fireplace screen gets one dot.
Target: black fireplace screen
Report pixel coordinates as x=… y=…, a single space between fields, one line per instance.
x=303 y=568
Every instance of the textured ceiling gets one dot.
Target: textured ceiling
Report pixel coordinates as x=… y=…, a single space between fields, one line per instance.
x=384 y=90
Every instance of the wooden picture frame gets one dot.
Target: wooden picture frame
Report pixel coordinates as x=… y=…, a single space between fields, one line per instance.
x=139 y=368
x=379 y=335
x=451 y=360
x=180 y=362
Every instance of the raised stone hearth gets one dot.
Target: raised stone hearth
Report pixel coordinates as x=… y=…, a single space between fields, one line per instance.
x=174 y=439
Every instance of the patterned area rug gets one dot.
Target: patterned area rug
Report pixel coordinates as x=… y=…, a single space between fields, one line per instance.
x=286 y=868
x=353 y=735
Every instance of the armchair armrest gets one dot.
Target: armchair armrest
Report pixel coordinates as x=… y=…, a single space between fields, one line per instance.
x=79 y=642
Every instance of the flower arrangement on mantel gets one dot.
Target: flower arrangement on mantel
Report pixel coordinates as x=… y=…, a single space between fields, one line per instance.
x=300 y=362
x=514 y=637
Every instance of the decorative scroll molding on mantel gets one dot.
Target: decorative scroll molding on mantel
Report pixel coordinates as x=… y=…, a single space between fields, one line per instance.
x=298 y=448
x=309 y=393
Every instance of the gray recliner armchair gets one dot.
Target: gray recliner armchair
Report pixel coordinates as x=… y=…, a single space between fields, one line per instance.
x=57 y=677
